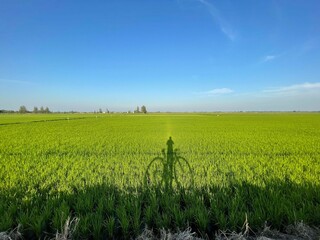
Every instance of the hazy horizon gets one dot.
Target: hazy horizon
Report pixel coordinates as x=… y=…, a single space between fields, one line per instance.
x=171 y=55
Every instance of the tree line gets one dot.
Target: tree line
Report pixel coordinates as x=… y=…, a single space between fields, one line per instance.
x=143 y=109
x=23 y=109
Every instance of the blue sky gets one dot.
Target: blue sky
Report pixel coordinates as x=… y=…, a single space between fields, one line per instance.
x=170 y=55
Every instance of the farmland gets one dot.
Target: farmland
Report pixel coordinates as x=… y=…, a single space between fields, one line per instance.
x=263 y=166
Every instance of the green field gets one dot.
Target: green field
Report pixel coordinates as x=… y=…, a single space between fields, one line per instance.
x=265 y=166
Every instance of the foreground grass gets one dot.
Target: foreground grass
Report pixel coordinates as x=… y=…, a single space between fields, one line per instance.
x=106 y=211
x=263 y=166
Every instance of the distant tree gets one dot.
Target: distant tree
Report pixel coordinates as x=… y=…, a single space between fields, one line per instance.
x=107 y=110
x=143 y=109
x=23 y=109
x=6 y=111
x=35 y=110
x=46 y=110
x=137 y=110
x=41 y=110
x=100 y=110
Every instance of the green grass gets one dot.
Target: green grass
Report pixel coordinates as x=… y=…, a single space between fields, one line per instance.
x=265 y=166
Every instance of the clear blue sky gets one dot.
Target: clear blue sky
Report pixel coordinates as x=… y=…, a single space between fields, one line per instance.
x=170 y=55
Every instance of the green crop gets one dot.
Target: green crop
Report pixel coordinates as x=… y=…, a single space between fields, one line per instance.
x=265 y=167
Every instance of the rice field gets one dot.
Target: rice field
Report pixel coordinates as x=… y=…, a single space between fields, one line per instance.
x=263 y=167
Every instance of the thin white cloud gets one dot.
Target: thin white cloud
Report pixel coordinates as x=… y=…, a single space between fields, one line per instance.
x=296 y=88
x=269 y=58
x=216 y=92
x=223 y=24
x=272 y=57
x=14 y=81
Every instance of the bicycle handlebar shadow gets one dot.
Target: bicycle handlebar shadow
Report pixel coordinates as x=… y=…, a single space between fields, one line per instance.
x=169 y=171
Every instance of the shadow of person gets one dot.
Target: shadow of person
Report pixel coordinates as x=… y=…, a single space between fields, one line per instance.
x=169 y=171
x=170 y=146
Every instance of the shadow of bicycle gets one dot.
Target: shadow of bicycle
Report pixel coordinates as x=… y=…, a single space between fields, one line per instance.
x=169 y=171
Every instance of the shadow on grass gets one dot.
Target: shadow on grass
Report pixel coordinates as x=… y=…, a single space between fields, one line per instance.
x=169 y=171
x=108 y=212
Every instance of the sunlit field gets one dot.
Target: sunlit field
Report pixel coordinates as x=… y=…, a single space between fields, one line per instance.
x=261 y=166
